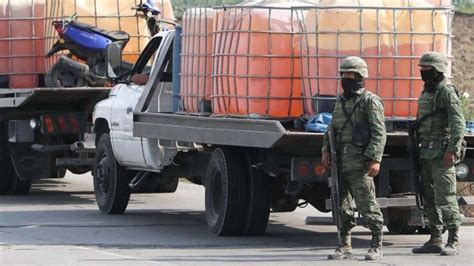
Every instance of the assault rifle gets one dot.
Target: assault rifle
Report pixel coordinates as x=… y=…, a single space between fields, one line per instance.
x=415 y=162
x=335 y=196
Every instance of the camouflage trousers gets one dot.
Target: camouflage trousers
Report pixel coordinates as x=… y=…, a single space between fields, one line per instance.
x=439 y=192
x=359 y=186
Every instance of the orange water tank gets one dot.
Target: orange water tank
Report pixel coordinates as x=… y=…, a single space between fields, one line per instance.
x=196 y=66
x=256 y=62
x=22 y=42
x=390 y=35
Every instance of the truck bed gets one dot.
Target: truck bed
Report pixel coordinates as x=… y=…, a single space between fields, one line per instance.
x=237 y=132
x=14 y=101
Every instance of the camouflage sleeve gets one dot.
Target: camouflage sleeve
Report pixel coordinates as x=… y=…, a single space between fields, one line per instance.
x=326 y=146
x=378 y=136
x=451 y=103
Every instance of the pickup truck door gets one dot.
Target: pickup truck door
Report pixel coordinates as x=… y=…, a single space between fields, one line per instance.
x=127 y=148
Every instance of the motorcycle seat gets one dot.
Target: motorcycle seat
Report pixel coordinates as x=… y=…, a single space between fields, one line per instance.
x=115 y=35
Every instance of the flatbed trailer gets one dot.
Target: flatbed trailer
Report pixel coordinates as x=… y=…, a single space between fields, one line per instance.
x=271 y=137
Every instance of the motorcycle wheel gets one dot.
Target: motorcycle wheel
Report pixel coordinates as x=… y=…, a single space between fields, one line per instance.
x=60 y=78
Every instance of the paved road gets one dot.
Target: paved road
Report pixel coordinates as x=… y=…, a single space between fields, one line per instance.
x=59 y=224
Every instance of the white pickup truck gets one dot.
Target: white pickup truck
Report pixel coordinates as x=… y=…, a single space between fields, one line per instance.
x=121 y=156
x=248 y=166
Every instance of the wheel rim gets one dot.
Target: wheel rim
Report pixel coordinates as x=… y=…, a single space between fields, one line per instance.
x=103 y=174
x=216 y=189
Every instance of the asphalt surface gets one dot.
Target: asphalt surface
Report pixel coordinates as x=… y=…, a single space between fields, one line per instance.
x=59 y=224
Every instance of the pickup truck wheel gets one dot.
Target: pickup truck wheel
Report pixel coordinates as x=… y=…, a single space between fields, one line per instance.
x=111 y=180
x=259 y=202
x=10 y=183
x=226 y=195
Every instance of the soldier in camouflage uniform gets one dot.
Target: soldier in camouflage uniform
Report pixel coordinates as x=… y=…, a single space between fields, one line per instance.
x=360 y=141
x=440 y=135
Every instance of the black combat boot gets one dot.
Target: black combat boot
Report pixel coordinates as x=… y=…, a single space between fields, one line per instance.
x=375 y=252
x=434 y=245
x=344 y=249
x=452 y=247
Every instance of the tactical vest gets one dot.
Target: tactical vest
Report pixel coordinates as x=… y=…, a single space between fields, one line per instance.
x=351 y=122
x=433 y=131
x=351 y=146
x=436 y=126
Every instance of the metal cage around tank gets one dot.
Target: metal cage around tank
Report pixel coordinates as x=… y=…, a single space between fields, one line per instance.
x=196 y=61
x=248 y=80
x=399 y=35
x=256 y=62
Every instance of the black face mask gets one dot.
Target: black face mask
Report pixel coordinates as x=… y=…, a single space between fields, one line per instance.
x=431 y=78
x=350 y=86
x=428 y=75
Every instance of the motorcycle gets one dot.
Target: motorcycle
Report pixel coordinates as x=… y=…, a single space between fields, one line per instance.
x=88 y=44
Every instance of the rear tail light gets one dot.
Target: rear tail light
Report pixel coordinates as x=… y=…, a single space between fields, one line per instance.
x=320 y=170
x=60 y=124
x=74 y=124
x=303 y=169
x=308 y=169
x=49 y=124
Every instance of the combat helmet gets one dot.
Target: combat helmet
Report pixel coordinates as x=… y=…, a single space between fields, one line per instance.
x=354 y=64
x=436 y=60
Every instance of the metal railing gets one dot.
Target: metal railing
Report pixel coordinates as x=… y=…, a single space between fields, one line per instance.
x=195 y=56
x=312 y=77
x=409 y=32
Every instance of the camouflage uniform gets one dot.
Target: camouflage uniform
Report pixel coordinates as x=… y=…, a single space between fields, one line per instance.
x=354 y=158
x=437 y=134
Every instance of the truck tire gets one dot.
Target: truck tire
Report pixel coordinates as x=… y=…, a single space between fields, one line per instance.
x=10 y=183
x=111 y=180
x=226 y=196
x=20 y=187
x=398 y=222
x=167 y=186
x=78 y=170
x=57 y=77
x=259 y=202
x=6 y=168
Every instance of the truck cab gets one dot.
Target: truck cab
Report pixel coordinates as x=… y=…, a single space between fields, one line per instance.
x=114 y=115
x=124 y=162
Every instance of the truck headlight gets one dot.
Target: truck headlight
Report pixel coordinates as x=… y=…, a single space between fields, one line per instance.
x=462 y=171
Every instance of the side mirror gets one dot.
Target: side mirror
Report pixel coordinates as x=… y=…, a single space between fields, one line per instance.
x=114 y=60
